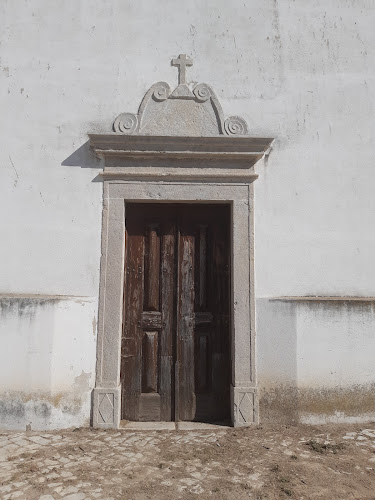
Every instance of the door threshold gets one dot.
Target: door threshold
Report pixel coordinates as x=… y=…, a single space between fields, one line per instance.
x=171 y=426
x=201 y=426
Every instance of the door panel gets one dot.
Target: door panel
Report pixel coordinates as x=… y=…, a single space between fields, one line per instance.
x=147 y=347
x=175 y=344
x=210 y=225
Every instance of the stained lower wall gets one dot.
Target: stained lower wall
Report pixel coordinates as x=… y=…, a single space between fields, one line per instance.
x=316 y=359
x=47 y=361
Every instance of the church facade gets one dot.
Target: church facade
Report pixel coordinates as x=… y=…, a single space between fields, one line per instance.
x=188 y=212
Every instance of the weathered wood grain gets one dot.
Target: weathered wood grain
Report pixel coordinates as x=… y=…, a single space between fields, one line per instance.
x=150 y=348
x=152 y=268
x=151 y=320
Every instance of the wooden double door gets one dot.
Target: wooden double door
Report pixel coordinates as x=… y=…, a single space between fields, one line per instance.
x=176 y=333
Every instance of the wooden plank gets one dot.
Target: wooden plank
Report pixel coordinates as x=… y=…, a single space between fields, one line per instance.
x=152 y=271
x=202 y=265
x=202 y=362
x=168 y=308
x=166 y=387
x=185 y=318
x=176 y=352
x=131 y=346
x=150 y=362
x=220 y=332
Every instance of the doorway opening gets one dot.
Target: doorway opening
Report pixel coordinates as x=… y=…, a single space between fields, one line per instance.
x=176 y=345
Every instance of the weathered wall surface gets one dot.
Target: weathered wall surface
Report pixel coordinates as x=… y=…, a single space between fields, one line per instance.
x=302 y=72
x=335 y=360
x=316 y=359
x=47 y=361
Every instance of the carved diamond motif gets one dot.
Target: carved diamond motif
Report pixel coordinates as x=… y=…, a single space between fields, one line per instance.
x=106 y=408
x=245 y=407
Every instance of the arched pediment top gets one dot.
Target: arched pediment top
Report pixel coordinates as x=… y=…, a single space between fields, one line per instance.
x=188 y=110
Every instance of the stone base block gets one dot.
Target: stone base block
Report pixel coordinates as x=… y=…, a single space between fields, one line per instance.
x=244 y=404
x=106 y=407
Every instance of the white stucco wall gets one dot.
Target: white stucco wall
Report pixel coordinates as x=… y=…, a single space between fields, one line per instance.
x=301 y=71
x=338 y=343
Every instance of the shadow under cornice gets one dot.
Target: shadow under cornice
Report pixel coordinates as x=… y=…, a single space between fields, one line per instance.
x=85 y=157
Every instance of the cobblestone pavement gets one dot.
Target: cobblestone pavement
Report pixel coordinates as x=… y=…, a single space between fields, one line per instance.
x=260 y=463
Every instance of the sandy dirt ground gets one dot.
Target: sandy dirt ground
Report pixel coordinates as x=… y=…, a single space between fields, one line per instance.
x=304 y=462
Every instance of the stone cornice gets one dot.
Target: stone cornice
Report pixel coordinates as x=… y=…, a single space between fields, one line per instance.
x=135 y=156
x=158 y=143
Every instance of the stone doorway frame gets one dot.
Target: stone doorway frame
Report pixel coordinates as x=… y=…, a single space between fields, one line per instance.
x=177 y=170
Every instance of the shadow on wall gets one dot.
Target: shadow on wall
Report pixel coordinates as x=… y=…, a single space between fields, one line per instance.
x=84 y=157
x=277 y=361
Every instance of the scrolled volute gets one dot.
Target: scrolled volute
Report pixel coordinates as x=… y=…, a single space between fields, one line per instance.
x=202 y=92
x=235 y=125
x=126 y=123
x=161 y=92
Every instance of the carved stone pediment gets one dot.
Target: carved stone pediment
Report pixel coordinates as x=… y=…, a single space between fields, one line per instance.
x=182 y=135
x=188 y=110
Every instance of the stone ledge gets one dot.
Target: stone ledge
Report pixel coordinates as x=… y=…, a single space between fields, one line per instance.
x=321 y=299
x=192 y=175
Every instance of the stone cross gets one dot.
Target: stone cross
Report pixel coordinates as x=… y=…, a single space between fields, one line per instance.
x=182 y=61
